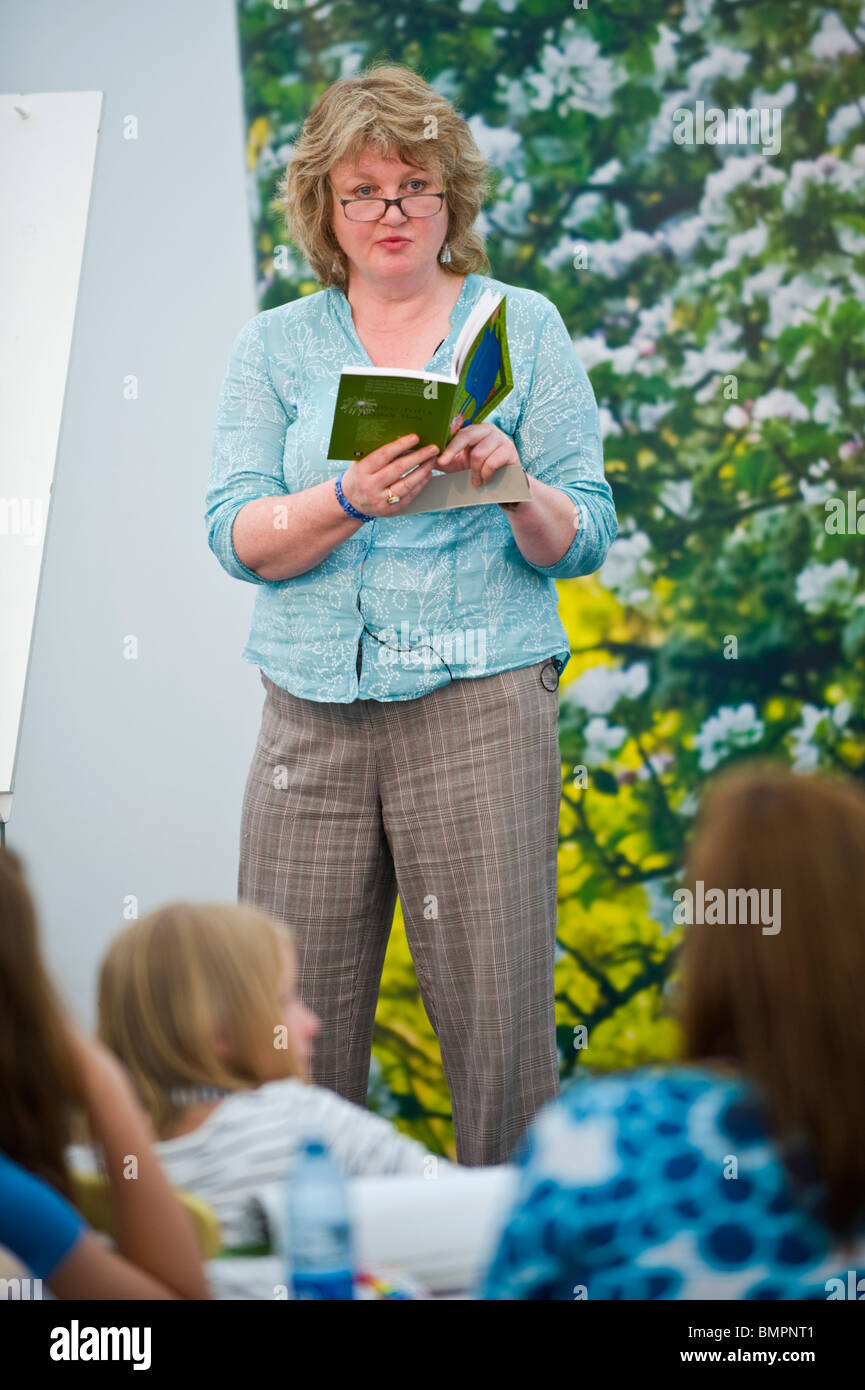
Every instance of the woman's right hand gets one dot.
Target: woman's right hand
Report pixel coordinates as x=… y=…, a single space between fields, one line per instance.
x=366 y=481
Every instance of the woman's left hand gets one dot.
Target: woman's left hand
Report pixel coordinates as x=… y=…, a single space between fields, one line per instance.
x=482 y=448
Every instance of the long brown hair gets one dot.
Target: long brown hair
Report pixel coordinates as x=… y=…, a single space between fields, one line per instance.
x=39 y=1087
x=786 y=1005
x=178 y=978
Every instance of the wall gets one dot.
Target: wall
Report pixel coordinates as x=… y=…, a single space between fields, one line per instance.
x=130 y=773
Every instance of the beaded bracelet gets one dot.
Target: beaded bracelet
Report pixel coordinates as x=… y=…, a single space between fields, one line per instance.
x=344 y=502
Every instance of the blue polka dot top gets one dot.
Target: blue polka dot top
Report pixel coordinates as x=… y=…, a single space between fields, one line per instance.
x=664 y=1183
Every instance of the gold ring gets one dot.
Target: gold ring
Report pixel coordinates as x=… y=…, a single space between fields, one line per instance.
x=391 y=498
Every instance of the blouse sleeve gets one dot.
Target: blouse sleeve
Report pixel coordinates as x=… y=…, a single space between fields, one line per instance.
x=366 y=1144
x=558 y=438
x=37 y=1225
x=248 y=444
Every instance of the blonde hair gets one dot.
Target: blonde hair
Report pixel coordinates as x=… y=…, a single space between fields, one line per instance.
x=385 y=107
x=181 y=977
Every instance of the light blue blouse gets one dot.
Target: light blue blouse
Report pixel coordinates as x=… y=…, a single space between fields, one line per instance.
x=413 y=600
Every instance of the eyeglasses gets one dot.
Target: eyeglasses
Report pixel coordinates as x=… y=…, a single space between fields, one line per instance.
x=410 y=205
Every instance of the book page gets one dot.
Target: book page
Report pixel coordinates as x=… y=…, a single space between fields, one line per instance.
x=446 y=490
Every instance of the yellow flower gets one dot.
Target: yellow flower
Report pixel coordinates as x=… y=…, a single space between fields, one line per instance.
x=259 y=134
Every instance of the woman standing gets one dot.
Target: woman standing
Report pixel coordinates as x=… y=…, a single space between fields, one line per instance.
x=409 y=734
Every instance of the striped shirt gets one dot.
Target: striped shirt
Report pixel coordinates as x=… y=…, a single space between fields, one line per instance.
x=252 y=1139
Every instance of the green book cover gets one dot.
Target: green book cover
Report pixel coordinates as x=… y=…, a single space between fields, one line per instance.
x=376 y=405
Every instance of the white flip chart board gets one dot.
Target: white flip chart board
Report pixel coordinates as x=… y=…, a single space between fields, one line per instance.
x=47 y=156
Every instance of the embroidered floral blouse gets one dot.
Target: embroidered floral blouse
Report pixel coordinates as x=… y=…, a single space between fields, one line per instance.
x=407 y=602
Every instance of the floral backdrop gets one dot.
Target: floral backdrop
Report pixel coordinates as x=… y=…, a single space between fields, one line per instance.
x=685 y=180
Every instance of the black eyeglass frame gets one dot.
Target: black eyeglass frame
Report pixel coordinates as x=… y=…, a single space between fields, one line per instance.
x=390 y=202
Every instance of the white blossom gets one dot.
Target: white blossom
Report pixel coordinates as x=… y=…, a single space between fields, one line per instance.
x=584 y=206
x=591 y=350
x=601 y=687
x=855 y=389
x=717 y=355
x=796 y=302
x=601 y=740
x=628 y=569
x=852 y=243
x=650 y=415
x=657 y=763
x=773 y=100
x=815 y=494
x=607 y=173
x=779 y=405
x=682 y=236
x=688 y=806
x=499 y=144
x=560 y=254
x=832 y=40
x=753 y=169
x=806 y=753
x=513 y=96
x=720 y=61
x=696 y=16
x=659 y=904
x=842 y=121
x=726 y=730
x=735 y=417
x=576 y=74
x=763 y=283
x=608 y=422
x=661 y=129
x=826 y=410
x=820 y=588
x=826 y=169
x=784 y=97
x=749 y=243
x=610 y=258
x=677 y=496
x=510 y=212
x=654 y=319
x=664 y=51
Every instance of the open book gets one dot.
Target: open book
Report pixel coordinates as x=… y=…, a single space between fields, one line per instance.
x=376 y=405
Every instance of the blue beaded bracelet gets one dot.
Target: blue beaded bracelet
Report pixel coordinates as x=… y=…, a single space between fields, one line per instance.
x=344 y=502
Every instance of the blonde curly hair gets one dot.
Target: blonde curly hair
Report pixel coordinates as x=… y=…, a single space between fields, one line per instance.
x=384 y=108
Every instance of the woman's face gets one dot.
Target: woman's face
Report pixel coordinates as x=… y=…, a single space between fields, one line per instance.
x=301 y=1023
x=396 y=247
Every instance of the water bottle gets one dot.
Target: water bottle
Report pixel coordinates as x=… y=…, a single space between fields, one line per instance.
x=319 y=1243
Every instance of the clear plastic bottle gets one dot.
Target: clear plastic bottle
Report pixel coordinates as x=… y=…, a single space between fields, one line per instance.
x=319 y=1236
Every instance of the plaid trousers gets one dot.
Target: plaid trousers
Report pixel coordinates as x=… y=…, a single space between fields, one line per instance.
x=451 y=800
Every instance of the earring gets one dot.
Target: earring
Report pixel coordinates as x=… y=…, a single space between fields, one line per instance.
x=445 y=254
